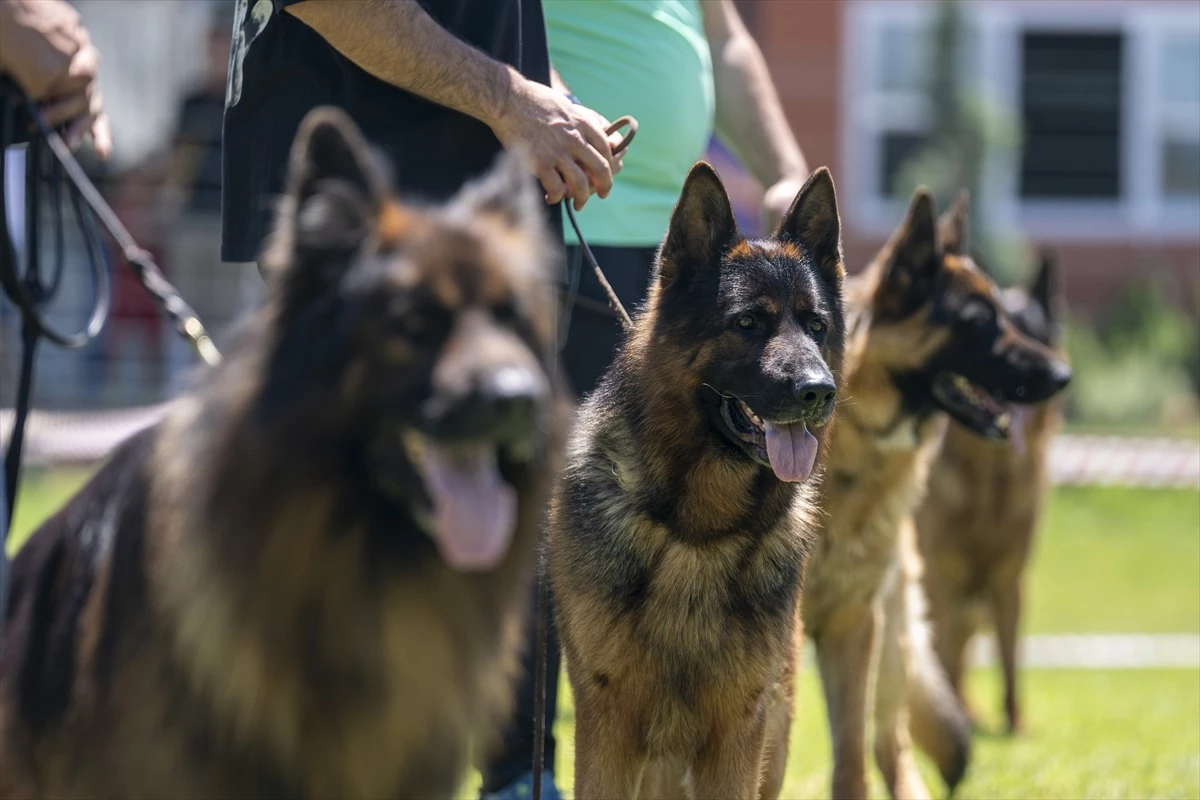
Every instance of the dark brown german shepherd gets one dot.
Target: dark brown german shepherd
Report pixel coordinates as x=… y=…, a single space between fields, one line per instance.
x=978 y=520
x=307 y=580
x=928 y=337
x=678 y=534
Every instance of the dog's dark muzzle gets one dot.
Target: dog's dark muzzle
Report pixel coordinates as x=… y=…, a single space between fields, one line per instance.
x=1032 y=381
x=809 y=397
x=501 y=405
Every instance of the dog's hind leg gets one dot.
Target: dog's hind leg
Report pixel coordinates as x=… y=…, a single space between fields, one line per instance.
x=845 y=652
x=936 y=717
x=893 y=741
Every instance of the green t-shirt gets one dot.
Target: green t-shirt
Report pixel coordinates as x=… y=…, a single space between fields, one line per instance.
x=649 y=59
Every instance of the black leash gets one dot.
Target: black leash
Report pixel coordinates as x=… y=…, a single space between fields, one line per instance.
x=542 y=601
x=49 y=160
x=613 y=300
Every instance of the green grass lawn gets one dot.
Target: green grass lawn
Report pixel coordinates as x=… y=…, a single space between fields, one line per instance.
x=1108 y=560
x=1117 y=561
x=1091 y=734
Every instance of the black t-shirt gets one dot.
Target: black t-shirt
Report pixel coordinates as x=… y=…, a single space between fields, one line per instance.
x=280 y=69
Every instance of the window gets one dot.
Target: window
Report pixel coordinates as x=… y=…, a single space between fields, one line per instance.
x=1094 y=107
x=902 y=68
x=1071 y=110
x=1179 y=116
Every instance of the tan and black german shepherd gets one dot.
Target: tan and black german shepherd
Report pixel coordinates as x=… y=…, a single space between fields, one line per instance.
x=978 y=520
x=679 y=531
x=307 y=581
x=928 y=336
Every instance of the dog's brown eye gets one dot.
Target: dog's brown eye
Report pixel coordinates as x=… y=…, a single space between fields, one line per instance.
x=746 y=322
x=816 y=326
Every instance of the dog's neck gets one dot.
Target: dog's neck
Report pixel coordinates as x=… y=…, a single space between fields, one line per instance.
x=874 y=402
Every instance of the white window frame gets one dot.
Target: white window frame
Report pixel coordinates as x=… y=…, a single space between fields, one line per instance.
x=1141 y=212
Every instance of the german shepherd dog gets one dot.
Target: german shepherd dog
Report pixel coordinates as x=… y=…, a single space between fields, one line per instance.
x=928 y=337
x=679 y=531
x=977 y=523
x=308 y=579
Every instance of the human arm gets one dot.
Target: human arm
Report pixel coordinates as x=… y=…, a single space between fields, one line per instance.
x=47 y=52
x=557 y=82
x=750 y=118
x=399 y=43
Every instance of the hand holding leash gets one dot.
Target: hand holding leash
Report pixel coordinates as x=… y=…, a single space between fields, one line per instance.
x=621 y=122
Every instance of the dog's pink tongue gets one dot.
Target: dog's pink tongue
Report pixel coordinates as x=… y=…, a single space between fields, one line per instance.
x=792 y=451
x=1016 y=429
x=474 y=509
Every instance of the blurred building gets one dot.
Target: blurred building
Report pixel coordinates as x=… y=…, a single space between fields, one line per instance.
x=1105 y=92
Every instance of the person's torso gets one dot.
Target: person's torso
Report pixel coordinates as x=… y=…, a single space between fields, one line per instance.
x=649 y=59
x=280 y=69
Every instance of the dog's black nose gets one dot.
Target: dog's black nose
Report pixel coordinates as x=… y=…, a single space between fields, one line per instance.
x=1060 y=374
x=511 y=394
x=501 y=404
x=815 y=392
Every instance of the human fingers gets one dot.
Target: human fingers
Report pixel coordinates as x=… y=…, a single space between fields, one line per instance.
x=595 y=163
x=102 y=136
x=552 y=183
x=579 y=188
x=67 y=109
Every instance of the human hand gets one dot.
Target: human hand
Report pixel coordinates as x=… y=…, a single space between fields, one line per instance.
x=778 y=199
x=50 y=55
x=565 y=142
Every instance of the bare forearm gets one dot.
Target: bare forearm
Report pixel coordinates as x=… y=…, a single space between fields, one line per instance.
x=750 y=118
x=557 y=82
x=398 y=42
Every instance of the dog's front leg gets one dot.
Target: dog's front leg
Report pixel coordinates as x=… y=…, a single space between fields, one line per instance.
x=608 y=761
x=845 y=656
x=730 y=764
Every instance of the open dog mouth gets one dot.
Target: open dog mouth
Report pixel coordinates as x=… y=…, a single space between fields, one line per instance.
x=474 y=508
x=788 y=448
x=972 y=405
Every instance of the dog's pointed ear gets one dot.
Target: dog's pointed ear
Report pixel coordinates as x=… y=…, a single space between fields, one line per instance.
x=910 y=260
x=952 y=225
x=813 y=223
x=702 y=226
x=508 y=191
x=1047 y=289
x=335 y=187
x=914 y=244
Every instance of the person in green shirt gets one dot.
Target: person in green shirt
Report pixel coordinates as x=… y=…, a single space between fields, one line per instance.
x=681 y=68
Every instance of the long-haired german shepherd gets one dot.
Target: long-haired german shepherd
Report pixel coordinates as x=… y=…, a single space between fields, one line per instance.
x=307 y=580
x=679 y=531
x=928 y=337
x=977 y=523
